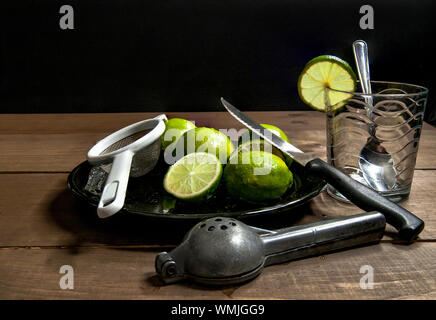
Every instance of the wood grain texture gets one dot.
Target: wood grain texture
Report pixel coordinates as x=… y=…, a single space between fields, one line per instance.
x=59 y=142
x=39 y=210
x=42 y=226
x=399 y=273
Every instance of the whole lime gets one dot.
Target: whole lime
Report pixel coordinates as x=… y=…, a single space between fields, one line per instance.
x=259 y=145
x=257 y=176
x=249 y=136
x=206 y=140
x=174 y=128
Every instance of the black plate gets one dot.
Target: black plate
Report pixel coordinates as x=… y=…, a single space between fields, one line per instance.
x=146 y=197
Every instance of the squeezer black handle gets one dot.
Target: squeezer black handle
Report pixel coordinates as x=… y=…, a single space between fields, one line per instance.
x=407 y=224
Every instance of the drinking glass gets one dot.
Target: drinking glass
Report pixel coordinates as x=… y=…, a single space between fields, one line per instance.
x=381 y=128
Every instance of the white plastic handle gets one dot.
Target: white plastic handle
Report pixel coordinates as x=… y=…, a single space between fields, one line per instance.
x=114 y=192
x=162 y=117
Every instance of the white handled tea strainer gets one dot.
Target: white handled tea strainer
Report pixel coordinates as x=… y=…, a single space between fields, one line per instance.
x=133 y=150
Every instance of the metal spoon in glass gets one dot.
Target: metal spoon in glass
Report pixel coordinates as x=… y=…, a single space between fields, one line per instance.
x=375 y=162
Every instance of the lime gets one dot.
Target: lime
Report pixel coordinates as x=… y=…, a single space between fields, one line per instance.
x=206 y=140
x=174 y=128
x=288 y=160
x=276 y=130
x=257 y=176
x=259 y=145
x=247 y=137
x=194 y=177
x=325 y=72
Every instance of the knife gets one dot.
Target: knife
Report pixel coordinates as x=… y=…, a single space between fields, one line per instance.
x=407 y=224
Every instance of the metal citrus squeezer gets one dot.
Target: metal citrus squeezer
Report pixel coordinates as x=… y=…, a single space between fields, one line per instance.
x=226 y=251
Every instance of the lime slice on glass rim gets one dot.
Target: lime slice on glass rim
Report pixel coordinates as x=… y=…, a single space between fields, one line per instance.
x=194 y=177
x=322 y=73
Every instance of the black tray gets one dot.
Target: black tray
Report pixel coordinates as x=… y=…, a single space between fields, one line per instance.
x=146 y=197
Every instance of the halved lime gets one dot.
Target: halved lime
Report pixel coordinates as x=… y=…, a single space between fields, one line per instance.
x=325 y=72
x=194 y=177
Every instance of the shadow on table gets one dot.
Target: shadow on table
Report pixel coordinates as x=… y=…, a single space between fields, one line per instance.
x=124 y=229
x=228 y=290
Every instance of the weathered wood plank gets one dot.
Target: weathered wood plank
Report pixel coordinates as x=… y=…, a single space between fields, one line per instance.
x=101 y=122
x=39 y=210
x=58 y=142
x=399 y=273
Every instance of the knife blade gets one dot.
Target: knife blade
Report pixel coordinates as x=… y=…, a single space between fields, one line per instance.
x=295 y=153
x=408 y=225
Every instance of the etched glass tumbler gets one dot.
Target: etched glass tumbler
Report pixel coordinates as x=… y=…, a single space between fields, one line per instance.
x=374 y=137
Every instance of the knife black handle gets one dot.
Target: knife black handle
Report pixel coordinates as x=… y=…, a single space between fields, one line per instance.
x=407 y=224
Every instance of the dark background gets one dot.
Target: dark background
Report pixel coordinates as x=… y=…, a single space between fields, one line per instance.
x=182 y=55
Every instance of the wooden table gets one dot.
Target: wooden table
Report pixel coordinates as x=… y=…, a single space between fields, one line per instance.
x=42 y=227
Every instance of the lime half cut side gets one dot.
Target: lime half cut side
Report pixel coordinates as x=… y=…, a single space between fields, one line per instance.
x=194 y=177
x=325 y=72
